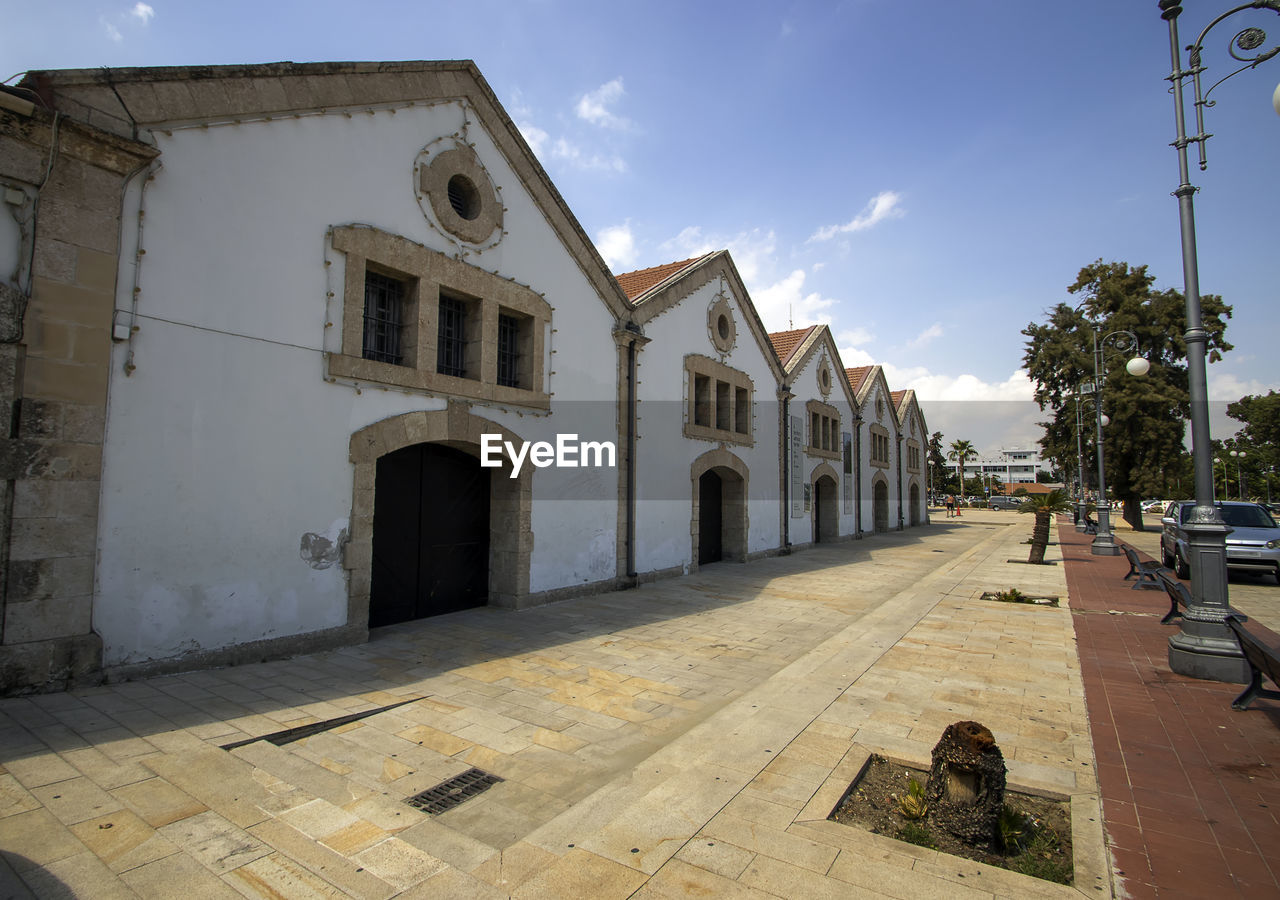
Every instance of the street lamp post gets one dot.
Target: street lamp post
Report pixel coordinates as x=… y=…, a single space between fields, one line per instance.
x=1238 y=455
x=1104 y=542
x=1226 y=485
x=1082 y=501
x=1204 y=647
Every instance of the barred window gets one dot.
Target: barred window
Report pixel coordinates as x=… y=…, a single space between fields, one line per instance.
x=508 y=351
x=383 y=318
x=451 y=339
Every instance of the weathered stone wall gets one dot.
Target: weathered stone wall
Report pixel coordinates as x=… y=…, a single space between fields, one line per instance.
x=53 y=394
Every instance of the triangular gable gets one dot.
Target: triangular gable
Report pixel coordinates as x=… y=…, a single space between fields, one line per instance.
x=787 y=343
x=648 y=281
x=671 y=283
x=872 y=379
x=804 y=344
x=121 y=100
x=908 y=408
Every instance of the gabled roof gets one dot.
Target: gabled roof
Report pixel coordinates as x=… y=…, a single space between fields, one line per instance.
x=786 y=343
x=125 y=100
x=662 y=288
x=857 y=376
x=641 y=281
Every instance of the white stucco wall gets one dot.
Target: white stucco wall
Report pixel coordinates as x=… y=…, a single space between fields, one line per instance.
x=665 y=455
x=225 y=446
x=805 y=386
x=888 y=420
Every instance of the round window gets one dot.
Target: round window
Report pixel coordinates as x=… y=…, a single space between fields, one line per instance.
x=722 y=327
x=824 y=378
x=463 y=197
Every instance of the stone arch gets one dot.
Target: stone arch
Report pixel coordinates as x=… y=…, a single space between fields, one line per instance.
x=734 y=475
x=880 y=503
x=510 y=501
x=826 y=509
x=914 y=509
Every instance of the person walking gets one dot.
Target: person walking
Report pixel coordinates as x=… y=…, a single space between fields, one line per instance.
x=951 y=505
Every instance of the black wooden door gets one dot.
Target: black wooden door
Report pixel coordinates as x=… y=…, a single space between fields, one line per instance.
x=710 y=513
x=430 y=534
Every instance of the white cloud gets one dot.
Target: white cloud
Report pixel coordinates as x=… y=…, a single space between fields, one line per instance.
x=884 y=205
x=142 y=12
x=112 y=31
x=534 y=136
x=780 y=300
x=1229 y=387
x=854 y=337
x=571 y=153
x=925 y=337
x=594 y=105
x=618 y=246
x=785 y=304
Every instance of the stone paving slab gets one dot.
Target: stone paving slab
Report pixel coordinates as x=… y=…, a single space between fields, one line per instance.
x=678 y=738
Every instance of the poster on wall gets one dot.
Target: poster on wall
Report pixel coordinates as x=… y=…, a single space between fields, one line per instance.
x=798 y=500
x=846 y=483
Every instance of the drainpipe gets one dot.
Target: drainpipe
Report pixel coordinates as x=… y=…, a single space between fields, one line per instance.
x=901 y=524
x=786 y=470
x=631 y=452
x=857 y=475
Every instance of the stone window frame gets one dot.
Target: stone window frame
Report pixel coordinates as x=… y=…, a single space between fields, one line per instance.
x=913 y=455
x=880 y=442
x=427 y=273
x=824 y=441
x=741 y=417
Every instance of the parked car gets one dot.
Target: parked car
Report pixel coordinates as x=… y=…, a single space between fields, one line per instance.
x=1153 y=506
x=1253 y=544
x=1005 y=502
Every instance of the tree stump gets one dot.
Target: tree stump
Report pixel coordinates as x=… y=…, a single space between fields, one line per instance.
x=966 y=783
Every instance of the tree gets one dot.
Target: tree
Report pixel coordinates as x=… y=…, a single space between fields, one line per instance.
x=961 y=452
x=1260 y=438
x=937 y=462
x=1045 y=506
x=1149 y=414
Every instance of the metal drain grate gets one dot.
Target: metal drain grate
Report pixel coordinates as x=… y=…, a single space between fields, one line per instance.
x=454 y=792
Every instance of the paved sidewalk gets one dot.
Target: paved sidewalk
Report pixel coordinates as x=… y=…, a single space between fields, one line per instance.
x=687 y=738
x=1190 y=787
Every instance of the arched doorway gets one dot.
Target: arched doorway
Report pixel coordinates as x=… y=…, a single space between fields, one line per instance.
x=430 y=534
x=509 y=509
x=914 y=495
x=719 y=520
x=880 y=505
x=711 y=518
x=826 y=512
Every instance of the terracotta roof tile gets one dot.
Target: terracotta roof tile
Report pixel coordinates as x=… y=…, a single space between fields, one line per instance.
x=636 y=283
x=786 y=342
x=857 y=375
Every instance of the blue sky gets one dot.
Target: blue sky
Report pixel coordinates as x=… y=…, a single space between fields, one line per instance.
x=926 y=178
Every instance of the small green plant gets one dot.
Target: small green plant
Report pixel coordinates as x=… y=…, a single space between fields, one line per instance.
x=1012 y=595
x=1013 y=829
x=913 y=805
x=1032 y=847
x=915 y=833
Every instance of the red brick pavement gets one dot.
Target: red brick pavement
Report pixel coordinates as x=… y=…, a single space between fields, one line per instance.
x=1190 y=787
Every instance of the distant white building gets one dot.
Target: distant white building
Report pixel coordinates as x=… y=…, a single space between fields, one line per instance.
x=1018 y=466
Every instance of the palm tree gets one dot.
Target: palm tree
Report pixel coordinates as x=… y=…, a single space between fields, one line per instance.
x=961 y=452
x=1044 y=506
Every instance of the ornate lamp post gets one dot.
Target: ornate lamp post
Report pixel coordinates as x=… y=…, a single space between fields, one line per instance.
x=1082 y=502
x=1238 y=456
x=1204 y=647
x=1104 y=542
x=1226 y=485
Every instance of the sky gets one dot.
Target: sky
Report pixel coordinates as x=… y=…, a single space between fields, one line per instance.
x=925 y=178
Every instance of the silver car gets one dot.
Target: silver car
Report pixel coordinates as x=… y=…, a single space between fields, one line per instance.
x=1253 y=544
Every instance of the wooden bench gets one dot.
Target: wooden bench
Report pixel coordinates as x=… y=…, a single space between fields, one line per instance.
x=1178 y=594
x=1146 y=571
x=1262 y=659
